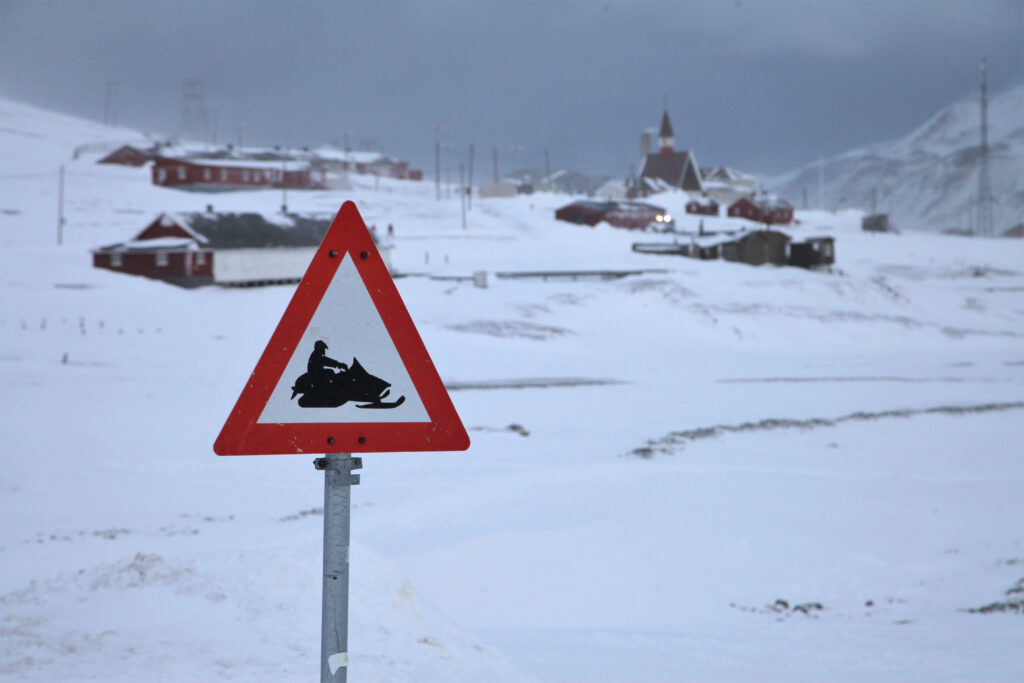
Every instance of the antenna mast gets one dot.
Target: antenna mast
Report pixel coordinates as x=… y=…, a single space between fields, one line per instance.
x=985 y=199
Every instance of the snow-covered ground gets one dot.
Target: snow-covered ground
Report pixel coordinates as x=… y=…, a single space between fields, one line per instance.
x=771 y=474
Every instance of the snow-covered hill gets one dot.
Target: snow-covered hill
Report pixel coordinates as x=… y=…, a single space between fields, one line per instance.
x=702 y=471
x=929 y=179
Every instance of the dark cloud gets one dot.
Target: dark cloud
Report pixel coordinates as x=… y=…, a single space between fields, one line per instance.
x=759 y=85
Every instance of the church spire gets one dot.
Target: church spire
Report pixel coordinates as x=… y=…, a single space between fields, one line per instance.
x=666 y=137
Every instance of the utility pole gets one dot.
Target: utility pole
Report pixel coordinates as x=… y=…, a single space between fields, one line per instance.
x=821 y=181
x=60 y=207
x=985 y=198
x=437 y=160
x=495 y=163
x=547 y=169
x=469 y=188
x=515 y=158
x=462 y=193
x=448 y=170
x=284 y=186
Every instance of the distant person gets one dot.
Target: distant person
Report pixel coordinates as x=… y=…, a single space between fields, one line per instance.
x=391 y=230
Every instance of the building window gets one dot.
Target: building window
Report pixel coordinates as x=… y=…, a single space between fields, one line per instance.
x=206 y=174
x=245 y=176
x=181 y=173
x=256 y=176
x=115 y=260
x=161 y=175
x=200 y=258
x=224 y=175
x=161 y=258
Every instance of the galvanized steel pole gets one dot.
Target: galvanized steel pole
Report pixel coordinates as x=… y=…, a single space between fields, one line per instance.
x=338 y=480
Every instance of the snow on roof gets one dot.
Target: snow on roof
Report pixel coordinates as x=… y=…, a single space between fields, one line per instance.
x=771 y=201
x=161 y=243
x=351 y=156
x=253 y=230
x=717 y=238
x=656 y=184
x=167 y=219
x=701 y=200
x=724 y=173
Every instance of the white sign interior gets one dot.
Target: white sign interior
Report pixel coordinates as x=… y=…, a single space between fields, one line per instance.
x=348 y=323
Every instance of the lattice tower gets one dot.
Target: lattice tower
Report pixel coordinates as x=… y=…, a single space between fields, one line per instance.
x=985 y=198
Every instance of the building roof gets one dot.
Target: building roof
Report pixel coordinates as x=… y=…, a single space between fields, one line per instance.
x=237 y=231
x=702 y=200
x=678 y=169
x=724 y=173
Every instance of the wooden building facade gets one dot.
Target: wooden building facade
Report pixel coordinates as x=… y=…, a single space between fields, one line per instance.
x=220 y=175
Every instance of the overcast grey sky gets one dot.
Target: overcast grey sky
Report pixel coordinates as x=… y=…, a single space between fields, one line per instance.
x=762 y=86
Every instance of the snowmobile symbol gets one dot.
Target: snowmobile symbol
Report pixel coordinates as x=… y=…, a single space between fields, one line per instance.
x=330 y=384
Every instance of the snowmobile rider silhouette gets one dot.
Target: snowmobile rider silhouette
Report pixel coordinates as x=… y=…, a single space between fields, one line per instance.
x=320 y=361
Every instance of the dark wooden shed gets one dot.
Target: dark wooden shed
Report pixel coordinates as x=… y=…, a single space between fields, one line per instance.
x=812 y=252
x=757 y=247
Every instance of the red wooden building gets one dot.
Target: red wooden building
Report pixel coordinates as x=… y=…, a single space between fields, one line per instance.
x=762 y=209
x=635 y=215
x=584 y=212
x=237 y=249
x=218 y=175
x=167 y=249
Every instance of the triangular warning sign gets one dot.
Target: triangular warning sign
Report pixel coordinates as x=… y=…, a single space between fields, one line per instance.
x=345 y=371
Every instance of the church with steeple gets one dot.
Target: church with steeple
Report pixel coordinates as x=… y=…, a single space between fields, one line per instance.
x=675 y=169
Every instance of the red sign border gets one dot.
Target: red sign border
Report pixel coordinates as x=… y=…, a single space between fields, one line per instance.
x=243 y=435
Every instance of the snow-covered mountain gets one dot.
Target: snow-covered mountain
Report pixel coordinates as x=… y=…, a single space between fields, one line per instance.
x=929 y=179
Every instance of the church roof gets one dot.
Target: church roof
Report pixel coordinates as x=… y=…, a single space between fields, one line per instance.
x=678 y=169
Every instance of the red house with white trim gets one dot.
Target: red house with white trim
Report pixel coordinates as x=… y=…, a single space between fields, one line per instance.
x=232 y=249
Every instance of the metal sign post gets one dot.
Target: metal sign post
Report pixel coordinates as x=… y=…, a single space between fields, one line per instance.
x=338 y=482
